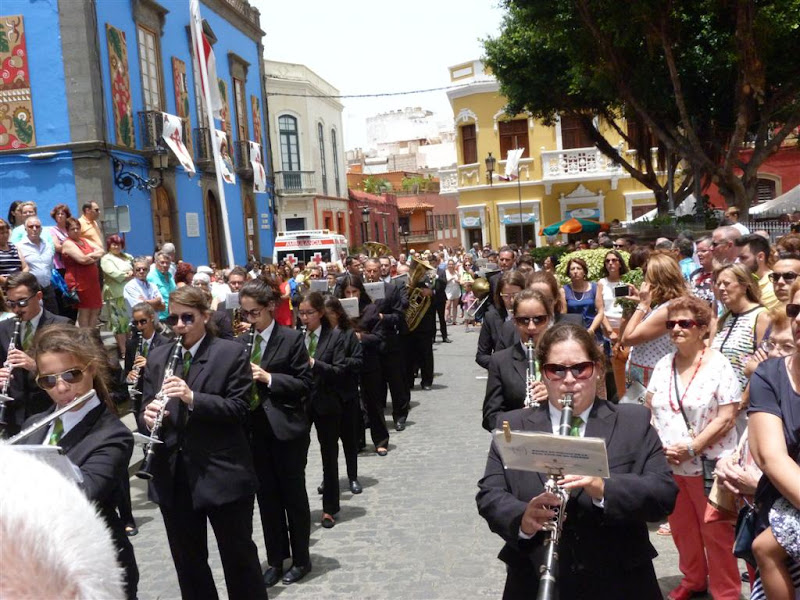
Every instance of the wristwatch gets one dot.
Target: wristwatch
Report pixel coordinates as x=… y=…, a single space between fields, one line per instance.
x=691 y=451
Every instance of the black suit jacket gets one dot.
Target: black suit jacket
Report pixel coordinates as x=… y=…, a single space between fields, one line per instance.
x=490 y=335
x=508 y=335
x=505 y=387
x=30 y=398
x=347 y=384
x=369 y=326
x=608 y=541
x=132 y=347
x=393 y=308
x=210 y=439
x=284 y=401
x=329 y=366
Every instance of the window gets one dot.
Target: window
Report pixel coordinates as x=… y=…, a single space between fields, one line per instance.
x=469 y=144
x=241 y=111
x=340 y=226
x=335 y=147
x=290 y=153
x=765 y=190
x=295 y=224
x=327 y=218
x=636 y=131
x=149 y=63
x=323 y=168
x=573 y=135
x=513 y=135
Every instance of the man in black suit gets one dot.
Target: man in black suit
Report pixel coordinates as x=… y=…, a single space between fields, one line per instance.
x=439 y=297
x=138 y=348
x=24 y=298
x=203 y=471
x=236 y=279
x=280 y=432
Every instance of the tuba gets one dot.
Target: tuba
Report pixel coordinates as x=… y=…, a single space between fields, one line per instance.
x=481 y=289
x=376 y=249
x=422 y=275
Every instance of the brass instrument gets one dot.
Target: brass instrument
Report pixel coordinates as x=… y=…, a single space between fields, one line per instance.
x=530 y=375
x=419 y=276
x=237 y=319
x=50 y=418
x=481 y=289
x=5 y=399
x=376 y=249
x=548 y=570
x=155 y=433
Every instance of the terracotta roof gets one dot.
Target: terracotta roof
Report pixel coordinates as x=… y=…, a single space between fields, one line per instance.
x=412 y=204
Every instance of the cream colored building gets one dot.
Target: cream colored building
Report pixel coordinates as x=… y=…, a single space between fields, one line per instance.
x=307 y=149
x=561 y=173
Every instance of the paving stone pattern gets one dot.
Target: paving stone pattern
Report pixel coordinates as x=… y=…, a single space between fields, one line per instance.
x=414 y=533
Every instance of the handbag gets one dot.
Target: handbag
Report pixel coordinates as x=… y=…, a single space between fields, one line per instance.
x=634 y=394
x=69 y=297
x=745 y=534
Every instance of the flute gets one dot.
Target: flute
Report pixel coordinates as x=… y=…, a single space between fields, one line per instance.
x=50 y=418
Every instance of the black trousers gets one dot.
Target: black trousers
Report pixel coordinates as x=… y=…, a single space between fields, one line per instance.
x=440 y=305
x=393 y=368
x=282 y=498
x=420 y=355
x=233 y=528
x=373 y=394
x=124 y=501
x=350 y=422
x=327 y=427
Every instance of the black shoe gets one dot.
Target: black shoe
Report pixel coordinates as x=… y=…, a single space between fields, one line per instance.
x=321 y=488
x=355 y=487
x=296 y=573
x=447 y=341
x=426 y=387
x=131 y=529
x=746 y=577
x=400 y=424
x=328 y=521
x=272 y=575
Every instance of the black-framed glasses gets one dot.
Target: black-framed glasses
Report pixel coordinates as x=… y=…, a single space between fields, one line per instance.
x=187 y=319
x=70 y=376
x=307 y=313
x=252 y=314
x=21 y=303
x=682 y=323
x=556 y=372
x=536 y=320
x=792 y=310
x=788 y=276
x=140 y=322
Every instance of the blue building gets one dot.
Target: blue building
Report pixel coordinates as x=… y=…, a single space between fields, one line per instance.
x=83 y=85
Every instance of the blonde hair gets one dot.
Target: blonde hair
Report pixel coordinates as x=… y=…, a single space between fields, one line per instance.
x=744 y=278
x=665 y=277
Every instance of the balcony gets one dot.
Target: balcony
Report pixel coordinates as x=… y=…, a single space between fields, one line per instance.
x=242 y=157
x=151 y=124
x=578 y=164
x=295 y=183
x=422 y=236
x=448 y=181
x=203 y=153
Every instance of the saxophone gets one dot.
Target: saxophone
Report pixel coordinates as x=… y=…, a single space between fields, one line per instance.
x=418 y=302
x=530 y=376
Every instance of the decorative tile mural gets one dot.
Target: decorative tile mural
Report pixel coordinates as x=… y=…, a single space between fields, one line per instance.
x=16 y=104
x=181 y=85
x=120 y=87
x=226 y=109
x=256 y=120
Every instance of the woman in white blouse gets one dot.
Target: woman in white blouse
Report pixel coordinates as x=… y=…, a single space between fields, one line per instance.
x=613 y=268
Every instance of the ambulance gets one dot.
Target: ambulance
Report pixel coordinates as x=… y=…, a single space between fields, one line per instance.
x=309 y=246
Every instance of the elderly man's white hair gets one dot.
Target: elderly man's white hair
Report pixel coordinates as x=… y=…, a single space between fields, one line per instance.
x=169 y=248
x=53 y=544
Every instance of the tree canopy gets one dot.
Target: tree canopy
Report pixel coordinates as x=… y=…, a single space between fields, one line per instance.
x=698 y=79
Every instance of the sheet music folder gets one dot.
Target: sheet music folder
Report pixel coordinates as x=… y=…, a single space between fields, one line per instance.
x=54 y=457
x=547 y=453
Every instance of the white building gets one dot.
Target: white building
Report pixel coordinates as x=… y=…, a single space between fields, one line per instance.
x=307 y=154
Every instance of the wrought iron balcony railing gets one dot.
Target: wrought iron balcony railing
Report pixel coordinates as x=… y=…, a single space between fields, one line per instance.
x=289 y=183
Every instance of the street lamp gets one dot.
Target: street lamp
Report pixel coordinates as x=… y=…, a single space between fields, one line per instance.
x=490 y=164
x=365 y=221
x=404 y=234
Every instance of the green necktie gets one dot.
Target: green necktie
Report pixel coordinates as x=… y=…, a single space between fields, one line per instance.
x=187 y=362
x=58 y=431
x=575 y=428
x=255 y=357
x=312 y=344
x=145 y=349
x=28 y=337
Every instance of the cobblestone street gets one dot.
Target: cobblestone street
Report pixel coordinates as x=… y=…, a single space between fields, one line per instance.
x=414 y=532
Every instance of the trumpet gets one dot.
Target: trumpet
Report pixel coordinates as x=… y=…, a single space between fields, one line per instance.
x=147 y=464
x=50 y=418
x=5 y=399
x=549 y=569
x=530 y=376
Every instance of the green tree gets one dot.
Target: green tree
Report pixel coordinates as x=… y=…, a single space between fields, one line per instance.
x=376 y=185
x=700 y=78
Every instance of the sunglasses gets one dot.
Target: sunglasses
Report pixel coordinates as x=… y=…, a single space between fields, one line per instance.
x=612 y=260
x=581 y=370
x=788 y=277
x=536 y=320
x=141 y=322
x=682 y=323
x=21 y=303
x=619 y=246
x=70 y=376
x=792 y=310
x=186 y=318
x=140 y=269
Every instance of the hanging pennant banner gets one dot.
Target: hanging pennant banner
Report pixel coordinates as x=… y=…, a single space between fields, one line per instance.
x=172 y=134
x=225 y=162
x=259 y=174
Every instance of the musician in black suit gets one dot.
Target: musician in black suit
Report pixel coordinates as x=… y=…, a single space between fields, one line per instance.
x=439 y=296
x=70 y=363
x=280 y=432
x=23 y=297
x=419 y=341
x=138 y=347
x=605 y=550
x=506 y=387
x=203 y=471
x=491 y=337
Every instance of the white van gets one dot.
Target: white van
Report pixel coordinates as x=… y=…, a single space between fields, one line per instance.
x=311 y=245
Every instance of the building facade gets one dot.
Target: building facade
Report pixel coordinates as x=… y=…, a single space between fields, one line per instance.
x=91 y=82
x=308 y=156
x=373 y=218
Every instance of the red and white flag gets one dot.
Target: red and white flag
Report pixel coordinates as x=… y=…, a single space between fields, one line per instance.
x=172 y=135
x=206 y=61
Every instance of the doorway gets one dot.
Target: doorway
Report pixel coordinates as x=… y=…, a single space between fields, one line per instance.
x=164 y=214
x=251 y=227
x=473 y=236
x=214 y=231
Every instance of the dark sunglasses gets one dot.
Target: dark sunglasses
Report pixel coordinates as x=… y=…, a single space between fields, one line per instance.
x=619 y=246
x=187 y=318
x=788 y=277
x=792 y=310
x=70 y=376
x=21 y=303
x=682 y=323
x=140 y=269
x=141 y=322
x=581 y=370
x=537 y=320
x=612 y=260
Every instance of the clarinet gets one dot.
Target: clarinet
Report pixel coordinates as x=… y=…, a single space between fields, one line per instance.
x=5 y=399
x=155 y=433
x=251 y=340
x=139 y=350
x=530 y=375
x=548 y=570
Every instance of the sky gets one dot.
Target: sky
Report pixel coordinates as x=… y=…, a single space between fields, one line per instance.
x=368 y=47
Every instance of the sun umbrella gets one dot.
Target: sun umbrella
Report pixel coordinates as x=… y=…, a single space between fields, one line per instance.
x=573 y=225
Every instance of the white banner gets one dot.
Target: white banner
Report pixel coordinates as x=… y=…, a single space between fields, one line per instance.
x=225 y=162
x=259 y=174
x=512 y=163
x=172 y=133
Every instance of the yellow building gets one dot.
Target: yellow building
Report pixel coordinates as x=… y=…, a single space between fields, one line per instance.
x=561 y=173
